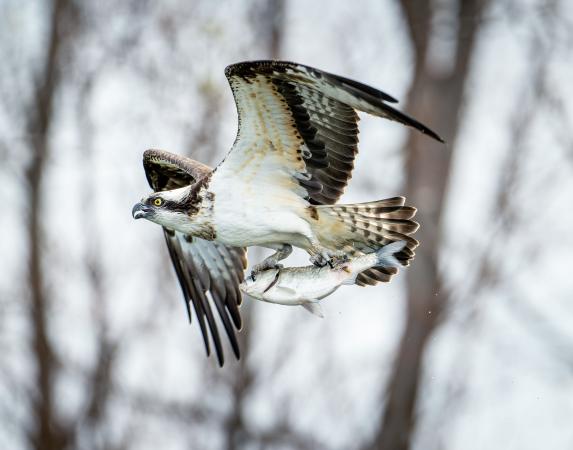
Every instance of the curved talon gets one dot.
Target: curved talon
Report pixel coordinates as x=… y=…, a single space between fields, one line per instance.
x=272 y=262
x=339 y=260
x=265 y=265
x=333 y=259
x=318 y=260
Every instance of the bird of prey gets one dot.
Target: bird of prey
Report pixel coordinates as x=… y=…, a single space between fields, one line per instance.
x=277 y=188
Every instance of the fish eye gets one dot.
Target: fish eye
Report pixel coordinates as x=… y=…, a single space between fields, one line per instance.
x=158 y=202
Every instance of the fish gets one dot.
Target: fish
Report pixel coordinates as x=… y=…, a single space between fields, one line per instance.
x=305 y=286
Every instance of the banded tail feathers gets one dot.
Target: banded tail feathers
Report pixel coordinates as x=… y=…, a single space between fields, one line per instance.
x=362 y=228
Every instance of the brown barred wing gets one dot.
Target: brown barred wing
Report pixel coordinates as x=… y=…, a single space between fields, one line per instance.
x=309 y=118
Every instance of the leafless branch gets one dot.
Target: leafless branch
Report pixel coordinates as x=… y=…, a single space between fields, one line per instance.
x=437 y=97
x=47 y=431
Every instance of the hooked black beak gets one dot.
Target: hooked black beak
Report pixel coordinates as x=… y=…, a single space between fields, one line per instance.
x=141 y=210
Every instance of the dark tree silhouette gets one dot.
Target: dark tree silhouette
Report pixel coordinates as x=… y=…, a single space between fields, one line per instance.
x=436 y=97
x=47 y=430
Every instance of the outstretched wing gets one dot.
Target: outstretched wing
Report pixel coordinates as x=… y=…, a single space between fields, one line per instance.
x=209 y=272
x=301 y=123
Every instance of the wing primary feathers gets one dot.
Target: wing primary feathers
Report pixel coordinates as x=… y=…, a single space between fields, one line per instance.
x=361 y=88
x=204 y=301
x=186 y=285
x=229 y=329
x=200 y=312
x=399 y=116
x=178 y=272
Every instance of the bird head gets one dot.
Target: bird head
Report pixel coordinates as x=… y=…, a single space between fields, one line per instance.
x=171 y=209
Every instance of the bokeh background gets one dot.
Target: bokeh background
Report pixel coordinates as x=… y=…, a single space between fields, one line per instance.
x=470 y=348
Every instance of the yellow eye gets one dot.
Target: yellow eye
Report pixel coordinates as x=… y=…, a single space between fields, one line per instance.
x=157 y=202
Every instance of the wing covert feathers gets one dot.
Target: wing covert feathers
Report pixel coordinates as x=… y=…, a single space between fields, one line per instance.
x=317 y=111
x=166 y=171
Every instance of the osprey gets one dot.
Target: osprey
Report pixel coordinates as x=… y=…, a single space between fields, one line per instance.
x=277 y=187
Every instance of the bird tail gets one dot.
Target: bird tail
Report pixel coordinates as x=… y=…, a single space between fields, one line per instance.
x=363 y=228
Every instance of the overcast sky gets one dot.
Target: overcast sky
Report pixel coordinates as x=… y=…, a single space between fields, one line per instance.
x=507 y=355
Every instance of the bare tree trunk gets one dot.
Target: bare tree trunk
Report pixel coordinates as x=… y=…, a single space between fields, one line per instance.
x=46 y=432
x=99 y=384
x=434 y=98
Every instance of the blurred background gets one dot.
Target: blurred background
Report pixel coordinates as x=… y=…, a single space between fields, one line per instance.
x=470 y=348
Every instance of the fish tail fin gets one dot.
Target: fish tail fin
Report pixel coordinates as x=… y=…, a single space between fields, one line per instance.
x=385 y=256
x=313 y=307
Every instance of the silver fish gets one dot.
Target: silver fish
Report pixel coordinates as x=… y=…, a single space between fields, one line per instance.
x=305 y=286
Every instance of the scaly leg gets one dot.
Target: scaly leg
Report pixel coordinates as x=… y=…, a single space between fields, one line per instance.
x=272 y=262
x=321 y=256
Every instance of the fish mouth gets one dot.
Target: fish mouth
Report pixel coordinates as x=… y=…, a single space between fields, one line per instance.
x=254 y=288
x=246 y=288
x=142 y=211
